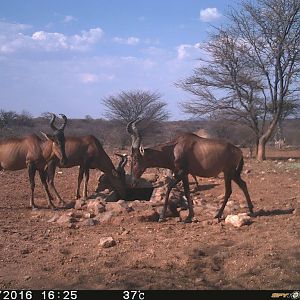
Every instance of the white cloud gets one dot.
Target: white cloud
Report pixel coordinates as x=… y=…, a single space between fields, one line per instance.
x=127 y=41
x=13 y=39
x=10 y=28
x=155 y=51
x=90 y=78
x=209 y=14
x=186 y=51
x=68 y=19
x=151 y=41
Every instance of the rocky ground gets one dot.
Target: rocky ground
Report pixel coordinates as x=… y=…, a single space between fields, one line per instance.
x=99 y=244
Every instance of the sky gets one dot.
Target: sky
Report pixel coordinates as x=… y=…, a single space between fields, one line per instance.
x=66 y=56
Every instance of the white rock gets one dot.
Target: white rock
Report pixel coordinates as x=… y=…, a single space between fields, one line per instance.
x=105 y=217
x=107 y=242
x=65 y=219
x=95 y=207
x=238 y=220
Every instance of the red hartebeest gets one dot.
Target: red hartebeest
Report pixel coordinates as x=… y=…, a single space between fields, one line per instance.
x=190 y=154
x=87 y=153
x=34 y=153
x=103 y=180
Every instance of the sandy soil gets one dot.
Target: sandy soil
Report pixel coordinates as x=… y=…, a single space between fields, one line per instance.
x=36 y=254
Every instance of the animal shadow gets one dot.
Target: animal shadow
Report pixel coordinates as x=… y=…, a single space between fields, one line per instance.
x=205 y=187
x=274 y=212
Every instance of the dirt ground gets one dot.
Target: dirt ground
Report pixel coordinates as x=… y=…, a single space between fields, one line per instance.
x=36 y=254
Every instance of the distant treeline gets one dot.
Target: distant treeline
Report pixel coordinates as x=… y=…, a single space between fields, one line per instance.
x=113 y=134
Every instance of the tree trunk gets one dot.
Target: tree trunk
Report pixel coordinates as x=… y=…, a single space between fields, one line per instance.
x=261 y=149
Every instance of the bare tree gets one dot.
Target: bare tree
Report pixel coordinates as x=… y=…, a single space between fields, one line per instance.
x=46 y=115
x=129 y=105
x=24 y=119
x=7 y=118
x=252 y=70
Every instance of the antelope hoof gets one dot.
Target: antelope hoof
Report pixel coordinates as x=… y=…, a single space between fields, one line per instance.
x=160 y=220
x=188 y=220
x=54 y=208
x=33 y=208
x=251 y=214
x=218 y=216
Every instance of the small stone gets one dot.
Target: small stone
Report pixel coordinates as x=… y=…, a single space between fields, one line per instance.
x=88 y=215
x=27 y=277
x=105 y=217
x=65 y=219
x=47 y=233
x=215 y=267
x=119 y=207
x=208 y=195
x=149 y=216
x=95 y=207
x=198 y=280
x=88 y=222
x=107 y=242
x=138 y=205
x=53 y=219
x=125 y=232
x=73 y=226
x=238 y=220
x=152 y=177
x=25 y=251
x=79 y=204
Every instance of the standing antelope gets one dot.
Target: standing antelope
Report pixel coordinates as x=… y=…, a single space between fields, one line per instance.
x=190 y=154
x=87 y=153
x=33 y=153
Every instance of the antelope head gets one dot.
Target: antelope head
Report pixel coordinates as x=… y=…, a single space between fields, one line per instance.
x=58 y=138
x=137 y=151
x=103 y=180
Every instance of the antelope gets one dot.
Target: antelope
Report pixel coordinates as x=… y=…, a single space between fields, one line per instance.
x=103 y=180
x=33 y=153
x=87 y=153
x=190 y=154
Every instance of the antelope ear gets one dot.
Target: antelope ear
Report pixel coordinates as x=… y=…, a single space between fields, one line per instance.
x=142 y=151
x=47 y=136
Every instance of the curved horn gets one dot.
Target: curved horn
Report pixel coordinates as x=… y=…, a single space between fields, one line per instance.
x=135 y=135
x=123 y=160
x=65 y=121
x=52 y=122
